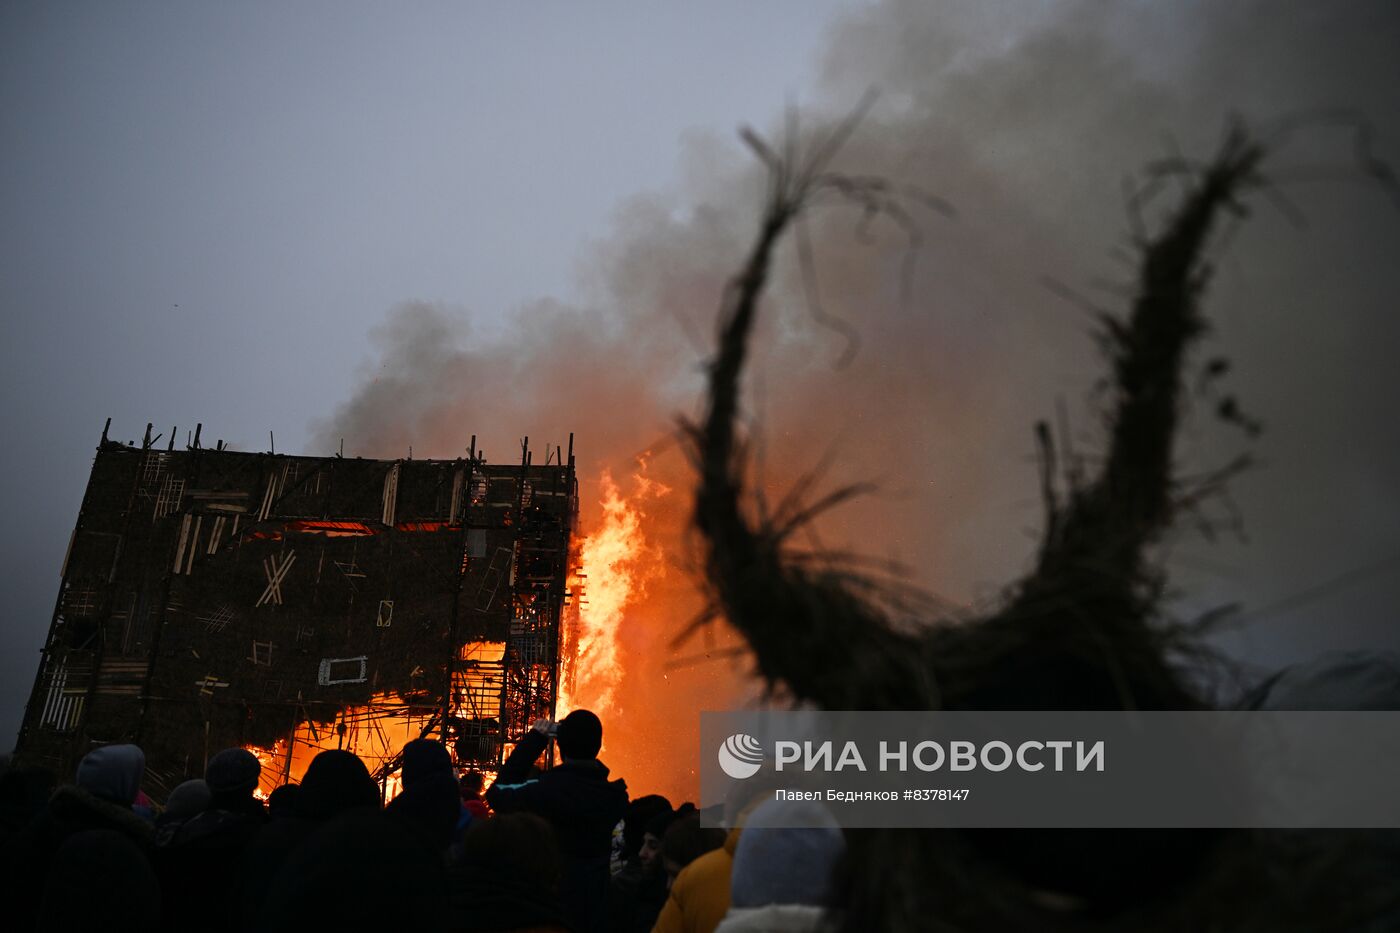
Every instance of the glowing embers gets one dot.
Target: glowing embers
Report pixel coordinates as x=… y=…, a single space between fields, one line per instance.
x=307 y=527
x=329 y=529
x=333 y=529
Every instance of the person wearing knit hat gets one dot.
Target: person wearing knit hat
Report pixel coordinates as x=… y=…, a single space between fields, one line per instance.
x=200 y=867
x=185 y=802
x=187 y=799
x=233 y=773
x=783 y=867
x=232 y=777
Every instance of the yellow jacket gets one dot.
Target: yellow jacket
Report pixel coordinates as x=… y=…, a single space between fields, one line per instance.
x=699 y=896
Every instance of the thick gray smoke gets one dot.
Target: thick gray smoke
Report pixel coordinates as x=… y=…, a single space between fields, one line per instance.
x=1026 y=118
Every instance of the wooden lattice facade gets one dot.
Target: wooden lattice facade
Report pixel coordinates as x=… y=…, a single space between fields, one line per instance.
x=213 y=598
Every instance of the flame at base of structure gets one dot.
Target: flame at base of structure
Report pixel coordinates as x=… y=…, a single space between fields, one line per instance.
x=376 y=732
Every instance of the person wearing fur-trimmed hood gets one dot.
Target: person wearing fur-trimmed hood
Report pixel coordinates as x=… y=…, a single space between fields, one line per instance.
x=107 y=781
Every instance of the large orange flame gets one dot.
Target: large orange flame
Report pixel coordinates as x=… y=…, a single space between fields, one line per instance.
x=617 y=562
x=618 y=657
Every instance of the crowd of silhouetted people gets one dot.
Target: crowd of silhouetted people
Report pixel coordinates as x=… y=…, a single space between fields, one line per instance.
x=565 y=848
x=561 y=848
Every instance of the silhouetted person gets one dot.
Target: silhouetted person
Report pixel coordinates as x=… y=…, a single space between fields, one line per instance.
x=430 y=804
x=282 y=802
x=577 y=799
x=681 y=840
x=471 y=786
x=185 y=802
x=335 y=783
x=637 y=892
x=107 y=781
x=100 y=880
x=507 y=878
x=634 y=824
x=201 y=866
x=360 y=870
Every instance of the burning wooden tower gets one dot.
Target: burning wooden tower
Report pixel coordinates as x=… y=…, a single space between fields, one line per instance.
x=213 y=598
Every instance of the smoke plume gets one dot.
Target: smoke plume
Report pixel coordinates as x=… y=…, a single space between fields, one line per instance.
x=1026 y=120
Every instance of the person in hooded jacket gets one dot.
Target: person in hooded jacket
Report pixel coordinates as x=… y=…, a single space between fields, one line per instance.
x=430 y=804
x=108 y=779
x=579 y=802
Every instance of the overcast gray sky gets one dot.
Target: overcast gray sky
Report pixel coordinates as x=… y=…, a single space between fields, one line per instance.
x=207 y=208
